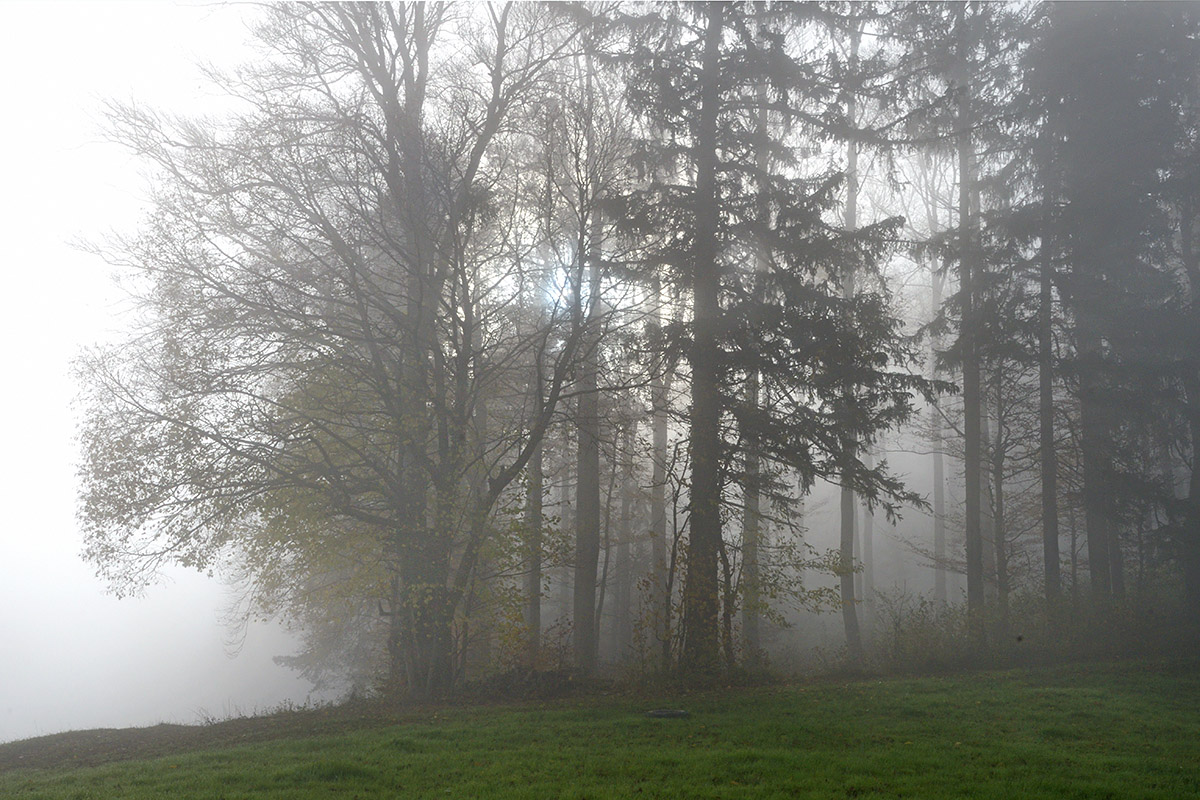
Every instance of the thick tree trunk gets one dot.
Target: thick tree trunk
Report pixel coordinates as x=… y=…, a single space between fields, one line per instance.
x=422 y=611
x=700 y=594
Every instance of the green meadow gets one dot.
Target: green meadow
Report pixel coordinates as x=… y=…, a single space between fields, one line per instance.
x=1115 y=730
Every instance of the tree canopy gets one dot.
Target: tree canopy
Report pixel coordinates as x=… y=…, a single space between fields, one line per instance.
x=400 y=314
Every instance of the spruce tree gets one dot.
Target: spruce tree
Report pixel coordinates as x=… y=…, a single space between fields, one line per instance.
x=765 y=290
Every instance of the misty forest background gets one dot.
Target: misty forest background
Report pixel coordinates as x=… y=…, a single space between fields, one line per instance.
x=505 y=342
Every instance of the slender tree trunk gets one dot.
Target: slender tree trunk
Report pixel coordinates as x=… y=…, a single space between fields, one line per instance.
x=1049 y=453
x=668 y=599
x=1190 y=554
x=860 y=564
x=587 y=498
x=1116 y=561
x=567 y=514
x=535 y=472
x=998 y=529
x=937 y=439
x=623 y=595
x=1191 y=540
x=608 y=546
x=1074 y=535
x=868 y=551
x=700 y=595
x=587 y=543
x=728 y=603
x=751 y=518
x=1094 y=432
x=533 y=578
x=940 y=592
x=477 y=640
x=658 y=603
x=970 y=358
x=751 y=535
x=854 y=647
x=987 y=506
x=587 y=526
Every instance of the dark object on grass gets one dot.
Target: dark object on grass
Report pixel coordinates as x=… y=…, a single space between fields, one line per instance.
x=668 y=713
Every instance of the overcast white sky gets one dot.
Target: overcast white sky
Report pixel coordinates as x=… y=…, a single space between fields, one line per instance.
x=71 y=656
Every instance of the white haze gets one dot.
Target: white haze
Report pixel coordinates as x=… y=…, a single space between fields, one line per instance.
x=71 y=656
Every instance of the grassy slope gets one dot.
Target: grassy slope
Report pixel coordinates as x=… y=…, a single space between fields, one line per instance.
x=1118 y=730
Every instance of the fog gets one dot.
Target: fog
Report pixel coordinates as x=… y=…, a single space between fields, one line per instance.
x=303 y=405
x=72 y=656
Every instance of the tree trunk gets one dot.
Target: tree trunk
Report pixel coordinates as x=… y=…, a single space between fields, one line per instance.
x=1190 y=551
x=1074 y=535
x=868 y=550
x=700 y=595
x=421 y=618
x=751 y=518
x=587 y=497
x=623 y=594
x=567 y=515
x=533 y=578
x=751 y=534
x=970 y=357
x=608 y=546
x=854 y=648
x=987 y=507
x=859 y=594
x=1094 y=433
x=940 y=592
x=1049 y=453
x=1189 y=555
x=658 y=602
x=937 y=440
x=1116 y=561
x=998 y=530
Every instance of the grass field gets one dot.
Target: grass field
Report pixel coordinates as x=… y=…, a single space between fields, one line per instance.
x=1122 y=730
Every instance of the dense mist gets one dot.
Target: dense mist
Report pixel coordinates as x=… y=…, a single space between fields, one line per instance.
x=458 y=348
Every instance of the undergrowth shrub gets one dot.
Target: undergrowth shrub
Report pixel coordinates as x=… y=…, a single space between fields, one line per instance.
x=915 y=634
